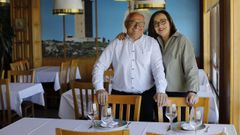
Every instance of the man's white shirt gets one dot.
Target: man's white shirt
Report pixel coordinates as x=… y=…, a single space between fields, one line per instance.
x=137 y=65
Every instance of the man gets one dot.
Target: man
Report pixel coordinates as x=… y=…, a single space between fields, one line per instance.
x=137 y=63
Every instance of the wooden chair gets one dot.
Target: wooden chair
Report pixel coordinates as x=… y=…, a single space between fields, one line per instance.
x=83 y=88
x=151 y=133
x=16 y=66
x=60 y=131
x=24 y=77
x=127 y=100
x=21 y=76
x=181 y=103
x=73 y=69
x=64 y=76
x=2 y=74
x=6 y=114
x=108 y=74
x=25 y=65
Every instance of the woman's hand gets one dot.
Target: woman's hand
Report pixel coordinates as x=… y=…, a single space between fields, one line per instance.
x=191 y=98
x=121 y=36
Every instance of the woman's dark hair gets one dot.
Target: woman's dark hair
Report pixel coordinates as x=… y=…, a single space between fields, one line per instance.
x=151 y=30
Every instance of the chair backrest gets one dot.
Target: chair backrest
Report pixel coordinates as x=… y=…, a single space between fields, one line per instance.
x=2 y=74
x=64 y=76
x=151 y=133
x=21 y=76
x=73 y=69
x=181 y=103
x=127 y=100
x=5 y=101
x=16 y=66
x=108 y=74
x=85 y=92
x=25 y=65
x=60 y=131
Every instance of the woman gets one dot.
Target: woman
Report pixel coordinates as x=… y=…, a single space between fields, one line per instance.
x=178 y=58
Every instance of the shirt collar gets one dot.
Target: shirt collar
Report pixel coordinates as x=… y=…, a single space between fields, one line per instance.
x=176 y=34
x=139 y=40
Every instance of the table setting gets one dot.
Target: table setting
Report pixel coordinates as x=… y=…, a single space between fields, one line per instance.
x=107 y=122
x=193 y=126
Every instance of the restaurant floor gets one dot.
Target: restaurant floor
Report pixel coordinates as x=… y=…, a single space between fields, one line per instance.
x=41 y=112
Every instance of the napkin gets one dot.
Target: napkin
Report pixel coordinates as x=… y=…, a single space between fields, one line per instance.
x=224 y=132
x=187 y=126
x=111 y=124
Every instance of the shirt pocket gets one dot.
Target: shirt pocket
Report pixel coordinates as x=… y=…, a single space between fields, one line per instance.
x=144 y=57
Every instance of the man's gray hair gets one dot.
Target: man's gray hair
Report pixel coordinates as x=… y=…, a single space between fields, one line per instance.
x=130 y=16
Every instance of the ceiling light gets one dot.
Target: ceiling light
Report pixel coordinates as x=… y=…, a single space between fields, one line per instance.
x=4 y=2
x=65 y=7
x=149 y=4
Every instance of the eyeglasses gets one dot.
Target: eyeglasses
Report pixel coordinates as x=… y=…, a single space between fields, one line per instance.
x=161 y=22
x=134 y=23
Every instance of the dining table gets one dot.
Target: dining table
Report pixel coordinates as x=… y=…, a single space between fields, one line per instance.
x=46 y=74
x=20 y=92
x=47 y=126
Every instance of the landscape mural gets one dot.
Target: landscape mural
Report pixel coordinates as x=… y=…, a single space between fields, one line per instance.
x=111 y=16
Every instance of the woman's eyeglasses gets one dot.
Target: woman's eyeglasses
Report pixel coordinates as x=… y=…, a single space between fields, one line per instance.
x=158 y=23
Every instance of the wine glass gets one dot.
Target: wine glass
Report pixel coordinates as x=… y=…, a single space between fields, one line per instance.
x=92 y=113
x=171 y=114
x=195 y=118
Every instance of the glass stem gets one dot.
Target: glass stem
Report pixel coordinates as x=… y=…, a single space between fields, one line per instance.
x=93 y=122
x=171 y=124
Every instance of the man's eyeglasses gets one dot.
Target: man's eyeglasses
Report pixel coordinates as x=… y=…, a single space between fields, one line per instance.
x=134 y=23
x=161 y=22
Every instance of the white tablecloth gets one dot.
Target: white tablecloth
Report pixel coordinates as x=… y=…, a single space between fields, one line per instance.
x=37 y=126
x=25 y=91
x=51 y=74
x=66 y=108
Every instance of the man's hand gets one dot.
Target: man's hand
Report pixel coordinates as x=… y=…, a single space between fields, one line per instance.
x=161 y=99
x=102 y=96
x=191 y=98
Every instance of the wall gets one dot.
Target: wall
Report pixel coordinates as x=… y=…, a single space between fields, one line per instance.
x=235 y=65
x=186 y=15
